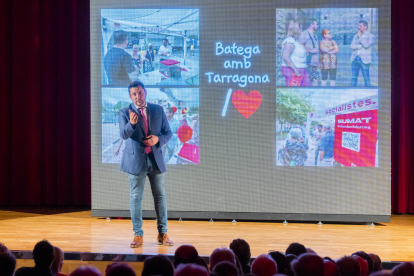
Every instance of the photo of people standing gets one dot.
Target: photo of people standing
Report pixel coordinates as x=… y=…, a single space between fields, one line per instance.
x=327 y=47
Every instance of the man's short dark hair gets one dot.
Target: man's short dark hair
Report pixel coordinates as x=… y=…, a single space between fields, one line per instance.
x=241 y=249
x=158 y=265
x=120 y=36
x=169 y=109
x=308 y=265
x=165 y=39
x=364 y=22
x=116 y=269
x=310 y=21
x=136 y=84
x=367 y=258
x=43 y=254
x=185 y=254
x=7 y=264
x=280 y=260
x=320 y=125
x=296 y=249
x=348 y=266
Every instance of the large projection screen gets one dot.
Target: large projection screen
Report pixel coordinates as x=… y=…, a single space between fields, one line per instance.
x=247 y=143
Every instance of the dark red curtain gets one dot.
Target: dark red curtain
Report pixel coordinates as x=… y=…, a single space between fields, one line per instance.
x=45 y=104
x=402 y=149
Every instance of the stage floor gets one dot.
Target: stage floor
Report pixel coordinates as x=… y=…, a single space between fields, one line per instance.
x=77 y=231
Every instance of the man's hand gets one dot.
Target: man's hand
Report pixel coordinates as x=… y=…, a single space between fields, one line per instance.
x=133 y=117
x=359 y=33
x=151 y=140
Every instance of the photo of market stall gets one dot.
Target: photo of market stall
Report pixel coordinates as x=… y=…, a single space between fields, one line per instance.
x=155 y=46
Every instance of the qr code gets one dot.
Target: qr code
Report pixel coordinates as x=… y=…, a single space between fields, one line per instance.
x=351 y=141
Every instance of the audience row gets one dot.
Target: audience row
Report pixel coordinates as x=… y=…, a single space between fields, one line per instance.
x=297 y=260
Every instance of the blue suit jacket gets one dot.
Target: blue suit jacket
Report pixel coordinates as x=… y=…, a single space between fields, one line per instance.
x=134 y=154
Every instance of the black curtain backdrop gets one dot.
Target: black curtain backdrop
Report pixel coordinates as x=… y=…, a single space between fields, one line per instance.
x=45 y=104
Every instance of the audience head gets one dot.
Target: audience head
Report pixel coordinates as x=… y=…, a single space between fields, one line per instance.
x=225 y=269
x=191 y=270
x=86 y=271
x=7 y=264
x=295 y=248
x=280 y=260
x=57 y=260
x=348 y=266
x=43 y=254
x=308 y=265
x=288 y=261
x=403 y=269
x=158 y=265
x=330 y=268
x=264 y=265
x=222 y=255
x=3 y=248
x=202 y=262
x=363 y=265
x=119 y=269
x=296 y=133
x=310 y=251
x=185 y=254
x=367 y=258
x=377 y=263
x=241 y=249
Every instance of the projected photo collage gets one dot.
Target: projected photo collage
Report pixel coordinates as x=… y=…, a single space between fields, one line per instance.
x=327 y=87
x=160 y=48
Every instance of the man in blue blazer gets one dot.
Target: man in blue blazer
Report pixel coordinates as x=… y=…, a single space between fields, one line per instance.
x=145 y=129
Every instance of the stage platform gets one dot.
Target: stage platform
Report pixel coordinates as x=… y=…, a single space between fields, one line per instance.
x=87 y=238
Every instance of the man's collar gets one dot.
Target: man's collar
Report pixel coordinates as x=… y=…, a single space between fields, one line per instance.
x=145 y=106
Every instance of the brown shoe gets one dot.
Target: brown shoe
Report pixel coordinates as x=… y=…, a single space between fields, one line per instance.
x=137 y=242
x=164 y=240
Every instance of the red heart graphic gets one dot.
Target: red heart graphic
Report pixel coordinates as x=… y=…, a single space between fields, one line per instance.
x=246 y=104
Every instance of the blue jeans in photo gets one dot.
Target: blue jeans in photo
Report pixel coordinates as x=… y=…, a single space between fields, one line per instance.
x=137 y=183
x=356 y=65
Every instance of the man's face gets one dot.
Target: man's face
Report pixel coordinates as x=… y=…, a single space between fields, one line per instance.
x=361 y=27
x=138 y=96
x=165 y=42
x=319 y=128
x=169 y=115
x=315 y=25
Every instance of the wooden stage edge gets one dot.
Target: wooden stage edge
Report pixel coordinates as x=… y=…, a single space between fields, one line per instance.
x=77 y=233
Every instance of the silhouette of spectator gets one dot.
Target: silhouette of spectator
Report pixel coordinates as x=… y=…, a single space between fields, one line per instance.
x=367 y=258
x=119 y=269
x=380 y=273
x=7 y=263
x=330 y=268
x=158 y=265
x=241 y=249
x=296 y=249
x=221 y=255
x=43 y=258
x=225 y=269
x=264 y=265
x=185 y=254
x=86 y=271
x=57 y=263
x=280 y=260
x=308 y=265
x=288 y=260
x=3 y=248
x=363 y=265
x=348 y=266
x=191 y=270
x=377 y=263
x=404 y=269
